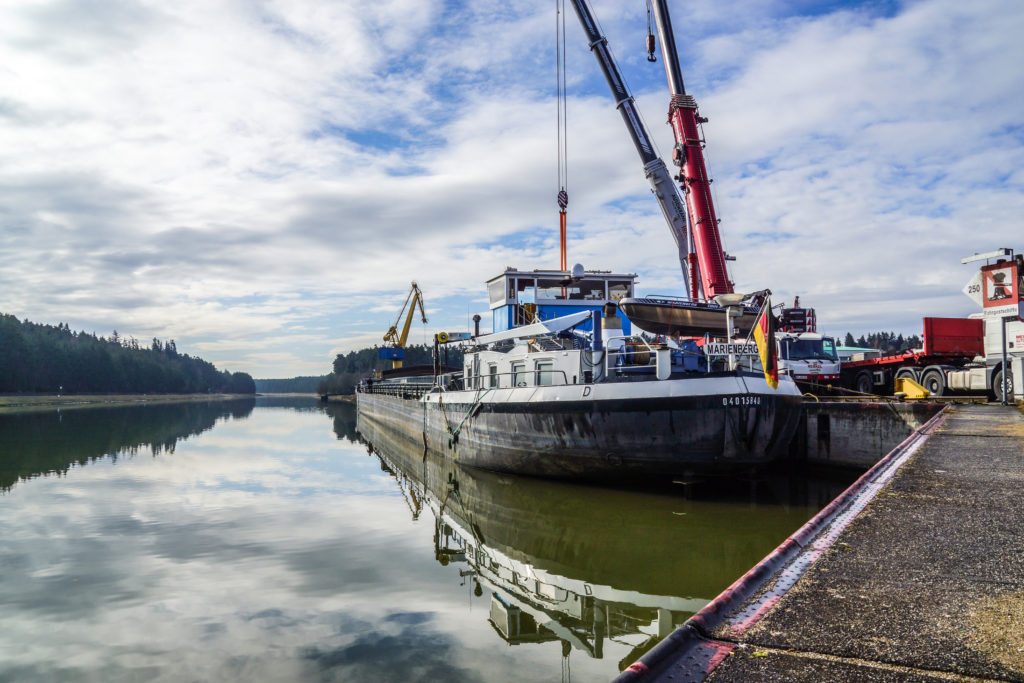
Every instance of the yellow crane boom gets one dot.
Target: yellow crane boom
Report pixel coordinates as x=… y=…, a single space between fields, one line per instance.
x=397 y=341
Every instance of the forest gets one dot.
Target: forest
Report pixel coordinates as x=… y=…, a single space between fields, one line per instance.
x=293 y=385
x=37 y=358
x=885 y=341
x=353 y=366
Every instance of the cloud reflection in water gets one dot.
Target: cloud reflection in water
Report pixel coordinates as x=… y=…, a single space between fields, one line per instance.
x=264 y=548
x=267 y=544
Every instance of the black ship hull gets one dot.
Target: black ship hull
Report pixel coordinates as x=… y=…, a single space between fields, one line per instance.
x=575 y=433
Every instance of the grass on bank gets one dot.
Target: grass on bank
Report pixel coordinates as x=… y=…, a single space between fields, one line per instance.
x=21 y=403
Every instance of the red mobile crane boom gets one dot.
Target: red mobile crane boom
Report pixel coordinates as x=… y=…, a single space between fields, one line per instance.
x=689 y=156
x=699 y=245
x=705 y=255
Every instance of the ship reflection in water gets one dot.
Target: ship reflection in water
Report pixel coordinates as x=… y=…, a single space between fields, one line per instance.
x=586 y=565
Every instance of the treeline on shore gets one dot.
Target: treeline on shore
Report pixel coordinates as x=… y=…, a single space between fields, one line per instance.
x=884 y=341
x=353 y=366
x=293 y=385
x=37 y=358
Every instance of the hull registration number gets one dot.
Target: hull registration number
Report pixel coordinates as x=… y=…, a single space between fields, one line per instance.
x=741 y=400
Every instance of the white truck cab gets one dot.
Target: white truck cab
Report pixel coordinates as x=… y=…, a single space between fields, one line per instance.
x=809 y=357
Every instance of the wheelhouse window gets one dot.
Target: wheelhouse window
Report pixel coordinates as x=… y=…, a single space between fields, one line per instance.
x=551 y=290
x=619 y=289
x=587 y=290
x=492 y=372
x=545 y=373
x=560 y=290
x=496 y=291
x=525 y=291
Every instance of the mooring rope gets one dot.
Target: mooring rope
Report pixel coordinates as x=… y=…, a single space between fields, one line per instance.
x=469 y=413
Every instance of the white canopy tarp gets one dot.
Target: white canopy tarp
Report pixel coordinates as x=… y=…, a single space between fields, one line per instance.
x=552 y=326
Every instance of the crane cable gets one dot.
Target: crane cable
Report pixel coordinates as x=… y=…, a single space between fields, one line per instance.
x=563 y=146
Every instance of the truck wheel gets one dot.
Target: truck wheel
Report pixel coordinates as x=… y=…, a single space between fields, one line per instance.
x=906 y=373
x=934 y=382
x=997 y=386
x=865 y=383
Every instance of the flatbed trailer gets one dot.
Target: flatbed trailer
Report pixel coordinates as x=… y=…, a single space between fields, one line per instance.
x=950 y=344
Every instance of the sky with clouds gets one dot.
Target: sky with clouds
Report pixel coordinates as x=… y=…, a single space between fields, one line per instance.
x=261 y=180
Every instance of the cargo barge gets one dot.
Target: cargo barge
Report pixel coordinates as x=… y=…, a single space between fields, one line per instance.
x=574 y=398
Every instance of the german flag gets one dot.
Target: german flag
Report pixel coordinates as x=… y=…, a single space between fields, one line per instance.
x=764 y=336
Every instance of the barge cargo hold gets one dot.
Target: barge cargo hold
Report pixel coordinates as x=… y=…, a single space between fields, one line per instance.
x=546 y=400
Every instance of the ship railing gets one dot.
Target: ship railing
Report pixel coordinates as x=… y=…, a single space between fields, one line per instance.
x=629 y=354
x=409 y=390
x=665 y=297
x=516 y=378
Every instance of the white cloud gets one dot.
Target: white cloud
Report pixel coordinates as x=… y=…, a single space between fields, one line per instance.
x=230 y=176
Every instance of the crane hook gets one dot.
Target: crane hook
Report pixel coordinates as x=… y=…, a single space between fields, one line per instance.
x=650 y=35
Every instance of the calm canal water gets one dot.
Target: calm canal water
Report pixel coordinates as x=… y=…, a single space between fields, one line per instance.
x=267 y=541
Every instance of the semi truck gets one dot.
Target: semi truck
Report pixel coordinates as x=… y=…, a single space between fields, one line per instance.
x=977 y=354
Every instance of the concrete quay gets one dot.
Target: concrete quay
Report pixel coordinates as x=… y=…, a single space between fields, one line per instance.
x=916 y=573
x=856 y=434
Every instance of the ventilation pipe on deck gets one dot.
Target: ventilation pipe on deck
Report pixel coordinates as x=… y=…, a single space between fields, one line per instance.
x=612 y=323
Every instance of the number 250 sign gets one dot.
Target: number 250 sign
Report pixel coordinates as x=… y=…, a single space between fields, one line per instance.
x=996 y=288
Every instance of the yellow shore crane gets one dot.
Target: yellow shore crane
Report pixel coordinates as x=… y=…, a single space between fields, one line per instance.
x=394 y=349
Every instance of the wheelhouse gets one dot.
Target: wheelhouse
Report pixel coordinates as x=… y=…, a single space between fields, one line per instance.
x=519 y=297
